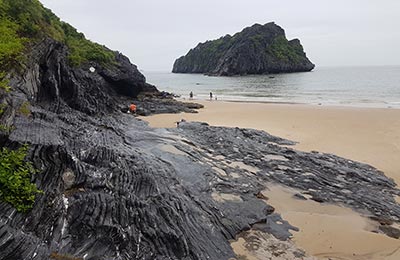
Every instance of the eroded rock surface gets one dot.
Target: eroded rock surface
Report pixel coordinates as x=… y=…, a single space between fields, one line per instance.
x=325 y=177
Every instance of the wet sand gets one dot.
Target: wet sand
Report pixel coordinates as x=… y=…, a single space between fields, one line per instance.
x=368 y=135
x=330 y=231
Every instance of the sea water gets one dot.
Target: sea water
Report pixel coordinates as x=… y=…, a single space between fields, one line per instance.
x=344 y=86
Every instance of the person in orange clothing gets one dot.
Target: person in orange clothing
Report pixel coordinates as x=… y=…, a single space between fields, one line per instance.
x=132 y=108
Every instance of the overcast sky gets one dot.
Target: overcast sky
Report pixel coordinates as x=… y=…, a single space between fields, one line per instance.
x=153 y=33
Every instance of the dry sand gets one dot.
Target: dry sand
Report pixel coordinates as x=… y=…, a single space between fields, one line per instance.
x=369 y=135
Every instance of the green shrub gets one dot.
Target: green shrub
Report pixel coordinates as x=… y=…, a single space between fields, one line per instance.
x=15 y=179
x=6 y=129
x=24 y=109
x=11 y=44
x=4 y=82
x=82 y=51
x=2 y=108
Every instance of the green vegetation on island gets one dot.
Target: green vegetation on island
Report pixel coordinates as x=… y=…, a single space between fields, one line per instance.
x=259 y=49
x=283 y=50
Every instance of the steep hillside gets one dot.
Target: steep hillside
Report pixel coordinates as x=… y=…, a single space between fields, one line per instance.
x=26 y=23
x=259 y=49
x=36 y=48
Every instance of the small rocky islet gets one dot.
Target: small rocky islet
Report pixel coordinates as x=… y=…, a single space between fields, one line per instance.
x=114 y=188
x=259 y=49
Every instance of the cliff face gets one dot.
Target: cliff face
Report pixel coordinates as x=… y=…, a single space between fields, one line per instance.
x=52 y=83
x=259 y=49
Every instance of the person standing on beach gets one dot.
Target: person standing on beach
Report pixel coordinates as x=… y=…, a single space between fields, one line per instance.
x=191 y=95
x=210 y=96
x=132 y=109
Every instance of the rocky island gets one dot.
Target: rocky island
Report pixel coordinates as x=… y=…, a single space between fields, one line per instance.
x=81 y=180
x=259 y=49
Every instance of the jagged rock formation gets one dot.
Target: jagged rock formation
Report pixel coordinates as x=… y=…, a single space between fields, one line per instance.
x=259 y=49
x=51 y=82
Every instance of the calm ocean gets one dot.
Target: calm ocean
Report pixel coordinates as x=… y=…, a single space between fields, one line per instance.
x=344 y=86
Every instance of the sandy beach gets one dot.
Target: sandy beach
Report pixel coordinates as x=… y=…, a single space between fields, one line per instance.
x=369 y=135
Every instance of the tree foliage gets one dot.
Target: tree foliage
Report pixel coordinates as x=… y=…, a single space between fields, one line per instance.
x=15 y=179
x=25 y=109
x=4 y=82
x=83 y=50
x=11 y=44
x=23 y=22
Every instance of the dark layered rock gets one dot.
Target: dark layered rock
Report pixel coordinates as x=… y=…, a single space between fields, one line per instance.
x=51 y=82
x=126 y=78
x=259 y=49
x=324 y=177
x=158 y=104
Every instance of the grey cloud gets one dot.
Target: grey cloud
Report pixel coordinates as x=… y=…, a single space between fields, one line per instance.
x=155 y=32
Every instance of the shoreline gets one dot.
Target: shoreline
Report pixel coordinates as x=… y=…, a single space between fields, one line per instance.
x=359 y=86
x=367 y=135
x=327 y=105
